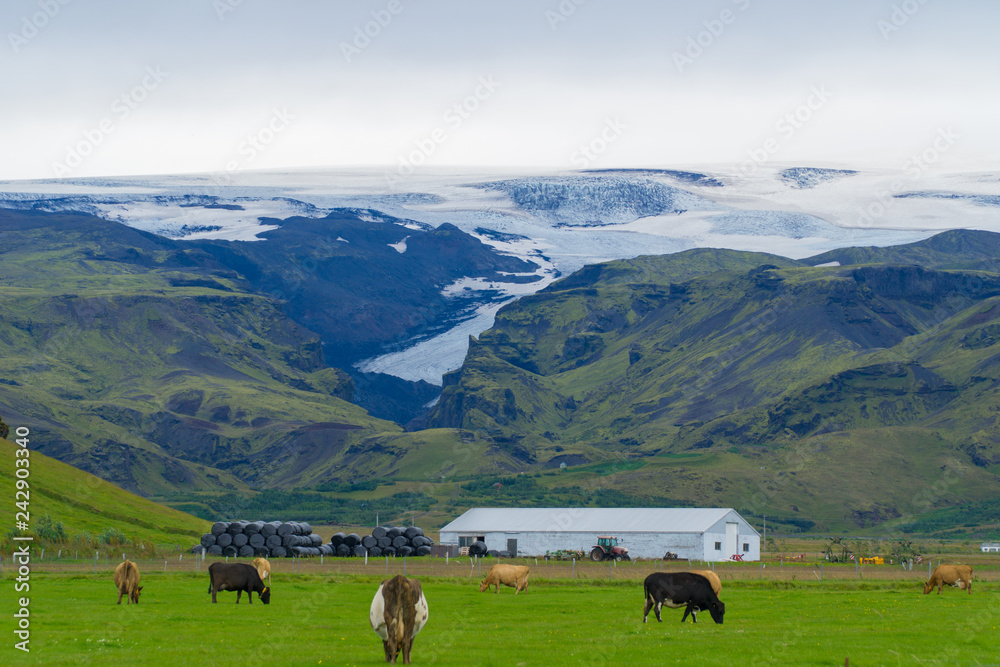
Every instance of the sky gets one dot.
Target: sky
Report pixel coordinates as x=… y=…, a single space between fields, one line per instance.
x=109 y=87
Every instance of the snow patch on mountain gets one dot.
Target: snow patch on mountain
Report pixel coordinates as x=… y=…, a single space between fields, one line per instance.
x=772 y=223
x=804 y=178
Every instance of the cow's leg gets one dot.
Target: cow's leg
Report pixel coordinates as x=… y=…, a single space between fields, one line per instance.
x=687 y=610
x=659 y=606
x=214 y=591
x=239 y=592
x=121 y=592
x=645 y=611
x=250 y=595
x=407 y=647
x=385 y=647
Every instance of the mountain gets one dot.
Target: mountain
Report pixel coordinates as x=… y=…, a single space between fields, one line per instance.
x=746 y=357
x=158 y=365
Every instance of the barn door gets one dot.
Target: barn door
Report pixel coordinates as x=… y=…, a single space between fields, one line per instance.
x=732 y=539
x=512 y=546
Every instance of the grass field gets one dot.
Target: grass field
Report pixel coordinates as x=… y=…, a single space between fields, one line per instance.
x=322 y=619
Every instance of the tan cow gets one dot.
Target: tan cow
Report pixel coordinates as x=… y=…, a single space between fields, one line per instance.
x=127 y=581
x=713 y=579
x=515 y=576
x=398 y=613
x=959 y=576
x=263 y=568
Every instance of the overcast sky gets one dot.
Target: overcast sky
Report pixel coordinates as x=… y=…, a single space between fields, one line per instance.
x=109 y=87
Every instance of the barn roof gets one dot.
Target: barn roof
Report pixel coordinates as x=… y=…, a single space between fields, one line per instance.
x=589 y=519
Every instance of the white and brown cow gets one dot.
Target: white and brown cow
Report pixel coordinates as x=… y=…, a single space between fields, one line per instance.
x=127 y=581
x=398 y=613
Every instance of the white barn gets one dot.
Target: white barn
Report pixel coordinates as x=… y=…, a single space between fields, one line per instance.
x=710 y=534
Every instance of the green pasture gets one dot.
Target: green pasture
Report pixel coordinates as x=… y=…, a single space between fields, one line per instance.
x=322 y=619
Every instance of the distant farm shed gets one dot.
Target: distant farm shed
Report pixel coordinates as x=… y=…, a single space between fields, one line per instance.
x=710 y=534
x=990 y=546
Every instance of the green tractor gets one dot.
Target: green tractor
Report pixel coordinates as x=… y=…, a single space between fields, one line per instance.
x=607 y=549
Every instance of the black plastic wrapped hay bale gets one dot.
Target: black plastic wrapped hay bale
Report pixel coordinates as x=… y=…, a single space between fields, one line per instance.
x=493 y=553
x=378 y=531
x=286 y=529
x=261 y=551
x=256 y=540
x=224 y=540
x=384 y=542
x=389 y=551
x=219 y=527
x=359 y=550
x=278 y=552
x=306 y=528
x=236 y=527
x=317 y=541
x=343 y=550
x=352 y=540
x=399 y=541
x=337 y=539
x=328 y=550
x=207 y=540
x=369 y=541
x=240 y=540
x=405 y=550
x=215 y=550
x=421 y=541
x=422 y=551
x=375 y=551
x=504 y=554
x=273 y=541
x=413 y=531
x=230 y=551
x=394 y=532
x=197 y=549
x=253 y=528
x=477 y=548
x=246 y=551
x=269 y=529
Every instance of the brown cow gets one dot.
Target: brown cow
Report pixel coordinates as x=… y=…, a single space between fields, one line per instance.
x=127 y=581
x=959 y=576
x=263 y=567
x=397 y=614
x=713 y=579
x=515 y=576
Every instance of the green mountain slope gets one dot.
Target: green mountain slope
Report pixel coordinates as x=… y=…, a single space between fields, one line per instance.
x=887 y=369
x=87 y=505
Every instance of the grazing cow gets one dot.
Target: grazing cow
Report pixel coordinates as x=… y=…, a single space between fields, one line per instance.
x=237 y=577
x=681 y=589
x=263 y=568
x=127 y=581
x=398 y=613
x=959 y=576
x=713 y=579
x=515 y=576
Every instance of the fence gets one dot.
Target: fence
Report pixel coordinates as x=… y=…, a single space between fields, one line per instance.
x=541 y=569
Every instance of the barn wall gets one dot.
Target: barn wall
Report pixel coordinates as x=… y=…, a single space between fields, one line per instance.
x=640 y=545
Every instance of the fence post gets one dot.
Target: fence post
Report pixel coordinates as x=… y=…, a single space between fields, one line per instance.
x=821 y=571
x=95 y=561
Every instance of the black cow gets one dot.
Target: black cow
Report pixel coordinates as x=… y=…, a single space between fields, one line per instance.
x=681 y=589
x=237 y=577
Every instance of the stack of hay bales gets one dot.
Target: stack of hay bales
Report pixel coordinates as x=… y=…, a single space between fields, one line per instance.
x=383 y=541
x=272 y=539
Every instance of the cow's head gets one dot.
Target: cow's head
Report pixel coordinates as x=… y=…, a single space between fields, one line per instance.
x=483 y=586
x=135 y=594
x=927 y=587
x=265 y=595
x=717 y=610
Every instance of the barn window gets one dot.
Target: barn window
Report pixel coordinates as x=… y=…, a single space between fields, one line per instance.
x=746 y=546
x=718 y=546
